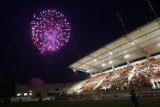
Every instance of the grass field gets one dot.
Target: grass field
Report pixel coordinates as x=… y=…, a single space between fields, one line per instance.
x=147 y=102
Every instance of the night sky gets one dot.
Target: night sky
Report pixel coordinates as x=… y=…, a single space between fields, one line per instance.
x=93 y=24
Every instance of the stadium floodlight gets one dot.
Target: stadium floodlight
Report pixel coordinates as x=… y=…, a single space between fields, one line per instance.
x=110 y=62
x=103 y=64
x=95 y=60
x=88 y=71
x=111 y=53
x=126 y=56
x=132 y=43
x=74 y=70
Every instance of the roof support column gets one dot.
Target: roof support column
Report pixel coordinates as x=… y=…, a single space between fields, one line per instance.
x=113 y=67
x=148 y=57
x=90 y=74
x=128 y=63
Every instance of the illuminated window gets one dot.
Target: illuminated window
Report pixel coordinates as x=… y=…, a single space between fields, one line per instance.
x=30 y=93
x=18 y=94
x=25 y=94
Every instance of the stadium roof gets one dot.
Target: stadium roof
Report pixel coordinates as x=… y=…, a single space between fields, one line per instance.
x=142 y=42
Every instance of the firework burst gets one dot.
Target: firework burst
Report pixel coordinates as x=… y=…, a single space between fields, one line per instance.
x=50 y=31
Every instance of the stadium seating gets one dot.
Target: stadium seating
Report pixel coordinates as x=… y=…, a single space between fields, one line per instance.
x=140 y=75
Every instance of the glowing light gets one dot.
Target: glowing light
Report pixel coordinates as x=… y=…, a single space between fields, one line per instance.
x=25 y=94
x=30 y=94
x=30 y=91
x=110 y=62
x=103 y=64
x=126 y=56
x=18 y=94
x=95 y=60
x=111 y=53
x=50 y=31
x=88 y=71
x=132 y=43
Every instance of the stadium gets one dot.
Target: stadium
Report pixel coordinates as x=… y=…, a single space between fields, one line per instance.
x=129 y=62
x=80 y=54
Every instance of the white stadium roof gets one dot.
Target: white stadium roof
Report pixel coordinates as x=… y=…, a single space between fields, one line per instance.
x=142 y=42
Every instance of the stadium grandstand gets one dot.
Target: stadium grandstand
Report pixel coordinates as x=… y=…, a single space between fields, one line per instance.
x=130 y=62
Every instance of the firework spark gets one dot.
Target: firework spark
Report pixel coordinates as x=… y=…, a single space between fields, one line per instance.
x=50 y=31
